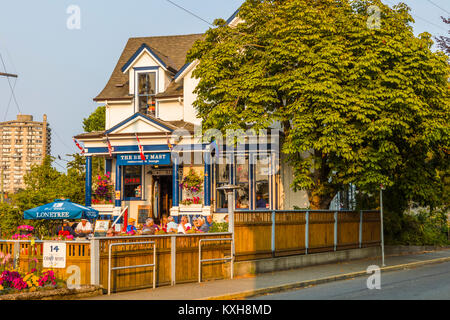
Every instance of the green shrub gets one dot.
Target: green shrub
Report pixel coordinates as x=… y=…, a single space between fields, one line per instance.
x=219 y=227
x=421 y=228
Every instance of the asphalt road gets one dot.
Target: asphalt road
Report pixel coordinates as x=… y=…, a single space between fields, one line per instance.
x=421 y=283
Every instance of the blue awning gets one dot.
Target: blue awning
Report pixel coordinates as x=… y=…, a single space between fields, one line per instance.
x=60 y=209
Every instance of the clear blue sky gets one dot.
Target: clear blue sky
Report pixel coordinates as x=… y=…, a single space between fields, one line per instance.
x=61 y=70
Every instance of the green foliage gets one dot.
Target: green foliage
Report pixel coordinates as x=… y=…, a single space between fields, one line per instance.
x=219 y=227
x=10 y=219
x=95 y=121
x=44 y=184
x=357 y=105
x=422 y=228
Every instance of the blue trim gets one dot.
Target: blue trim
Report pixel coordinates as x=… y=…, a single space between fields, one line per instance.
x=138 y=52
x=155 y=147
x=108 y=165
x=175 y=186
x=118 y=203
x=88 y=182
x=181 y=70
x=134 y=116
x=207 y=180
x=233 y=16
x=145 y=68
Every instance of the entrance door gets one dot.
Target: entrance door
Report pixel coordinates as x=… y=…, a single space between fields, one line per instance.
x=162 y=196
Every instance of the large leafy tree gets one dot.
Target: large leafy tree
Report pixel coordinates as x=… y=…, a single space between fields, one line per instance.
x=96 y=122
x=44 y=184
x=357 y=104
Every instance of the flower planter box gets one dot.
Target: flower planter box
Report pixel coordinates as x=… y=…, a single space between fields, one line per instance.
x=191 y=208
x=56 y=294
x=104 y=208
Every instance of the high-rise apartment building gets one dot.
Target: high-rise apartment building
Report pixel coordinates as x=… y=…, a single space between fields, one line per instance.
x=23 y=142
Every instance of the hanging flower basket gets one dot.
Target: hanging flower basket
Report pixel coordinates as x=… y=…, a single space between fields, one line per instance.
x=192 y=184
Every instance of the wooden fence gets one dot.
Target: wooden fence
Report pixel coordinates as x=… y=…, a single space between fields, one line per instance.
x=258 y=235
x=265 y=234
x=29 y=255
x=176 y=259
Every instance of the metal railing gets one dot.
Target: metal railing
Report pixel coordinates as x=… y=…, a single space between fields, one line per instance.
x=131 y=267
x=200 y=260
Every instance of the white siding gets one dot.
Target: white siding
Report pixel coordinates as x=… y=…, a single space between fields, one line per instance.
x=171 y=110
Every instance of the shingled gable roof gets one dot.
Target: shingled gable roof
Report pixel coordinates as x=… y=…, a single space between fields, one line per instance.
x=171 y=50
x=168 y=125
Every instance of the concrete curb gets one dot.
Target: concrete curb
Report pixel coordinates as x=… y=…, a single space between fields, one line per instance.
x=56 y=294
x=303 y=284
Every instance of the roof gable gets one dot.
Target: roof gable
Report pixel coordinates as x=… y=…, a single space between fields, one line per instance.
x=142 y=49
x=171 y=50
x=141 y=123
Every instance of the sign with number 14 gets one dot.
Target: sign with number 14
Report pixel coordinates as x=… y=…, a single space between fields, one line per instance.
x=54 y=255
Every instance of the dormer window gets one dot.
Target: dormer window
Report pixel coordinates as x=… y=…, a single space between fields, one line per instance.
x=146 y=91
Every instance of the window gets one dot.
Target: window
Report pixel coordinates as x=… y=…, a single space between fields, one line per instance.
x=146 y=84
x=222 y=178
x=242 y=181
x=132 y=182
x=262 y=182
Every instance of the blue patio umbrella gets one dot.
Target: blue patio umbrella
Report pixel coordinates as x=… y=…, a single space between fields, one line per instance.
x=60 y=209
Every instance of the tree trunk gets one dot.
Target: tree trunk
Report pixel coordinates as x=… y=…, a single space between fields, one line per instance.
x=321 y=193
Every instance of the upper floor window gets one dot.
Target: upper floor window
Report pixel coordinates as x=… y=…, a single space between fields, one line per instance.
x=146 y=91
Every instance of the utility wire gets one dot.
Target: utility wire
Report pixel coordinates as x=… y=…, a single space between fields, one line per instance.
x=434 y=4
x=62 y=141
x=190 y=12
x=59 y=164
x=423 y=19
x=10 y=86
x=10 y=99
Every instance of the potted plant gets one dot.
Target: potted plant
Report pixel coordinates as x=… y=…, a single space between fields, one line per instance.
x=192 y=185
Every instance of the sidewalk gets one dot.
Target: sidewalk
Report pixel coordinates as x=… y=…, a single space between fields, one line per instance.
x=239 y=288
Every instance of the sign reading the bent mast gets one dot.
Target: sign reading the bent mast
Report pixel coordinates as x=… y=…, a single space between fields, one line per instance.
x=129 y=159
x=54 y=255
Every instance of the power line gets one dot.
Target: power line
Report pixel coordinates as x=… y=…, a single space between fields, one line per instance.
x=434 y=4
x=62 y=141
x=9 y=102
x=9 y=82
x=190 y=12
x=423 y=19
x=59 y=164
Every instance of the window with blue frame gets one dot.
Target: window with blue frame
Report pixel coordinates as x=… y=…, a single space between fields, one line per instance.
x=222 y=178
x=132 y=182
x=242 y=181
x=262 y=187
x=146 y=92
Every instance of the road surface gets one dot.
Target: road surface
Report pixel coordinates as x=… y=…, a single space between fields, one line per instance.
x=421 y=283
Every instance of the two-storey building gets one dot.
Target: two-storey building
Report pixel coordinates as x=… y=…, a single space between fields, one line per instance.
x=149 y=101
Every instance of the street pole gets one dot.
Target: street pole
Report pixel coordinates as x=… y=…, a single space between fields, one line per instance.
x=231 y=217
x=382 y=229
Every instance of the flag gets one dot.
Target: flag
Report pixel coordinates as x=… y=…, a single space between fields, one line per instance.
x=110 y=150
x=78 y=145
x=168 y=143
x=141 y=150
x=125 y=221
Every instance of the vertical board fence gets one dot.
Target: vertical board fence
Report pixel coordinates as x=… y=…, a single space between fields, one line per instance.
x=264 y=234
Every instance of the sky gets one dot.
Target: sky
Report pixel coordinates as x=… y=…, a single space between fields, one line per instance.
x=62 y=69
